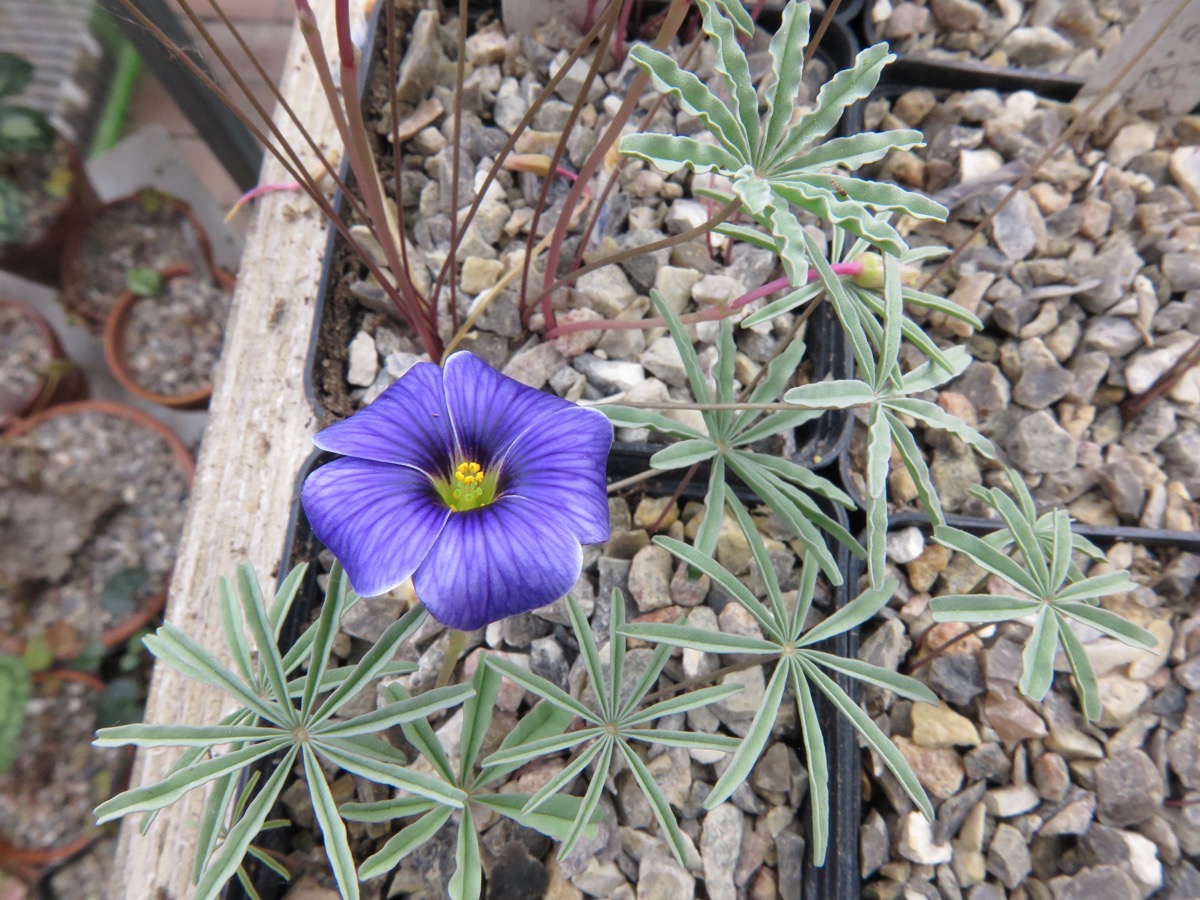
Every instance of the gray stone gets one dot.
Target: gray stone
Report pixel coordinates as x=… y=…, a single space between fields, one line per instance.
x=662 y=359
x=1182 y=270
x=874 y=845
x=1036 y=46
x=1074 y=818
x=642 y=269
x=609 y=375
x=956 y=679
x=1096 y=883
x=650 y=578
x=1018 y=227
x=534 y=366
x=546 y=659
x=959 y=15
x=986 y=387
x=1149 y=428
x=1043 y=381
x=917 y=843
x=905 y=545
x=1038 y=445
x=363 y=364
x=1051 y=776
x=421 y=60
x=607 y=290
x=1115 y=266
x=1008 y=856
x=790 y=851
x=720 y=843
x=1183 y=750
x=1129 y=788
x=1112 y=335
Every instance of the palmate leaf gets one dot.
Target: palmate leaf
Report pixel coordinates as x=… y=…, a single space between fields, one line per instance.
x=732 y=67
x=787 y=70
x=753 y=743
x=333 y=829
x=670 y=153
x=852 y=152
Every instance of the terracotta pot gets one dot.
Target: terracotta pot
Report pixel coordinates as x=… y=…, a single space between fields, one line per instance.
x=41 y=257
x=121 y=632
x=74 y=299
x=62 y=382
x=116 y=350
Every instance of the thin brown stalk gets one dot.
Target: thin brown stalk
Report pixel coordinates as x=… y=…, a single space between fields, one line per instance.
x=523 y=124
x=632 y=480
x=940 y=649
x=397 y=156
x=610 y=18
x=675 y=495
x=826 y=19
x=459 y=77
x=671 y=23
x=1030 y=173
x=726 y=211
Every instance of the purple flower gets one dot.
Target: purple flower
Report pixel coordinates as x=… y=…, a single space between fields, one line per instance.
x=478 y=487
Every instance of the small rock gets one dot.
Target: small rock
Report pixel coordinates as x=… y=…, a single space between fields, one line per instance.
x=1096 y=883
x=650 y=578
x=1006 y=802
x=1131 y=142
x=1036 y=46
x=1185 y=169
x=956 y=679
x=1183 y=751
x=1129 y=788
x=940 y=771
x=1018 y=227
x=663 y=360
x=1043 y=381
x=1012 y=719
x=1038 y=445
x=363 y=364
x=720 y=842
x=1074 y=818
x=940 y=726
x=905 y=545
x=916 y=842
x=1008 y=856
x=1051 y=776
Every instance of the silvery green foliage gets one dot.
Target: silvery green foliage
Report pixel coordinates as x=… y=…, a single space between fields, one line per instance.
x=15 y=683
x=1051 y=591
x=786 y=487
x=609 y=725
x=277 y=713
x=790 y=643
x=557 y=816
x=776 y=165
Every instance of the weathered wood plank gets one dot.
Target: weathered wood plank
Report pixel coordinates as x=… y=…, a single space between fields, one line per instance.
x=258 y=435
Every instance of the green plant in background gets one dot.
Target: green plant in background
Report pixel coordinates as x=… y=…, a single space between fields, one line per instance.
x=15 y=683
x=1050 y=590
x=22 y=131
x=279 y=716
x=789 y=642
x=144 y=282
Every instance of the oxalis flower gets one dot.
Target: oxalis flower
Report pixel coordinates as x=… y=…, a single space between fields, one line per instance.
x=478 y=487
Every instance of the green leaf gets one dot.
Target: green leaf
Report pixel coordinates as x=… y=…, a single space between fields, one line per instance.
x=879 y=457
x=753 y=743
x=681 y=703
x=535 y=684
x=683 y=344
x=572 y=770
x=591 y=799
x=404 y=842
x=818 y=762
x=752 y=236
x=854 y=151
x=216 y=810
x=906 y=446
x=24 y=130
x=794 y=241
x=467 y=880
x=354 y=760
x=1086 y=686
x=477 y=716
x=874 y=194
x=13 y=222
x=859 y=610
x=774 y=424
x=787 y=67
x=846 y=313
x=552 y=818
x=286 y=596
x=1097 y=586
x=526 y=750
x=934 y=303
x=731 y=64
x=933 y=415
x=893 y=317
x=876 y=739
x=542 y=722
x=331 y=614
x=658 y=803
x=714 y=510
x=694 y=98
x=254 y=609
x=779 y=371
x=616 y=652
x=168 y=790
x=333 y=829
x=1060 y=550
x=766 y=569
x=786 y=303
x=15 y=684
x=1109 y=623
x=670 y=153
x=378 y=720
x=831 y=206
x=373 y=661
x=987 y=557
x=1038 y=656
x=683 y=454
x=231 y=625
x=623 y=417
x=143 y=282
x=15 y=74
x=387 y=810
x=804 y=478
x=981 y=608
x=687 y=740
x=903 y=685
x=237 y=840
x=149 y=735
x=648 y=679
x=930 y=375
x=700 y=639
x=832 y=395
x=118 y=597
x=1023 y=534
x=837 y=94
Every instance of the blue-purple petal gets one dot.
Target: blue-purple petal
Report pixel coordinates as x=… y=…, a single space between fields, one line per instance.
x=407 y=425
x=500 y=560
x=379 y=520
x=490 y=410
x=560 y=465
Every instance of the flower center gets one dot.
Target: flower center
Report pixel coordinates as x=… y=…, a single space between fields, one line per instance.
x=470 y=487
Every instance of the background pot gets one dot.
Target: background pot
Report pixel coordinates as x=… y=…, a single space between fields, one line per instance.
x=61 y=381
x=116 y=349
x=74 y=297
x=40 y=258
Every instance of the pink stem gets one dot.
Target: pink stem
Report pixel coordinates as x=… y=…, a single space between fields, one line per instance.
x=709 y=314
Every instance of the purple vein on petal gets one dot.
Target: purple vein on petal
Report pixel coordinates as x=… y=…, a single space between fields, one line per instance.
x=380 y=520
x=498 y=561
x=405 y=425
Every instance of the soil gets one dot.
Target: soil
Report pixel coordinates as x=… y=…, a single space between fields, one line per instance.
x=23 y=359
x=86 y=498
x=46 y=800
x=31 y=172
x=133 y=235
x=174 y=341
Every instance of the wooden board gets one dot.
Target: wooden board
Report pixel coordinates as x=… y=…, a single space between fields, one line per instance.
x=258 y=436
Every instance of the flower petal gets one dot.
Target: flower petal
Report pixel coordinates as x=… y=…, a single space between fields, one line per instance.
x=407 y=424
x=559 y=463
x=488 y=409
x=379 y=520
x=500 y=560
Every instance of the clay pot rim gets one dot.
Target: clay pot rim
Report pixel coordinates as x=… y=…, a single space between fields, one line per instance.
x=116 y=353
x=184 y=461
x=52 y=343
